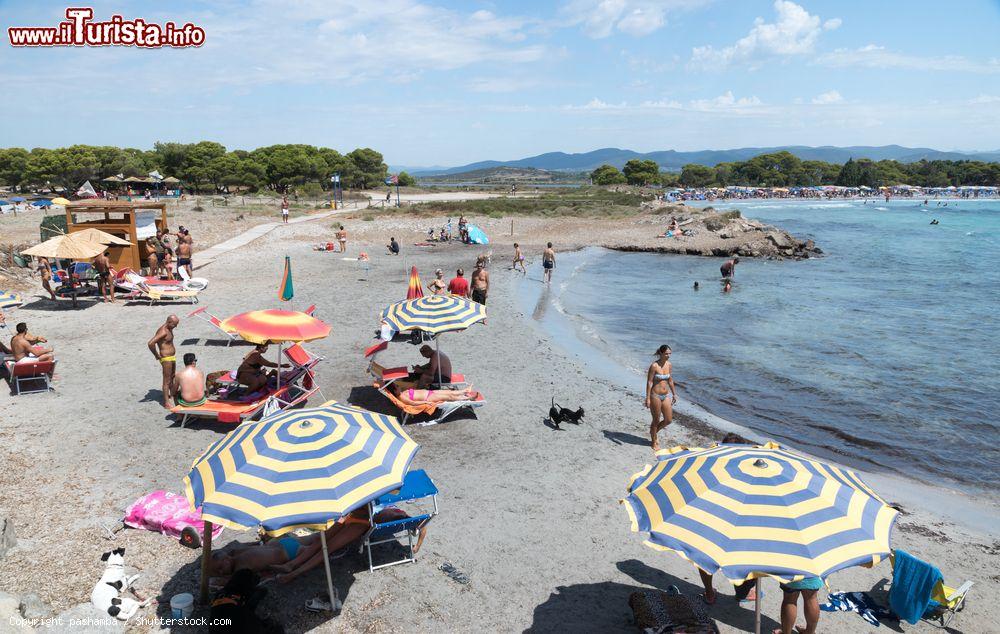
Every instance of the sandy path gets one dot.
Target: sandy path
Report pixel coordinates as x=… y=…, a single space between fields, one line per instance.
x=528 y=513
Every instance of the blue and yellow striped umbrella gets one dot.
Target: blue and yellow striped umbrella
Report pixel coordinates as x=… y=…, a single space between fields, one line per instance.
x=759 y=511
x=10 y=300
x=299 y=468
x=433 y=314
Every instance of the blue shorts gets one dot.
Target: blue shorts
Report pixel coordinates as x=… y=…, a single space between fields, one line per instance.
x=809 y=583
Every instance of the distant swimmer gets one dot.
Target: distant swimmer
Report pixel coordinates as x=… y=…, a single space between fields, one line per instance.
x=935 y=222
x=696 y=286
x=925 y=201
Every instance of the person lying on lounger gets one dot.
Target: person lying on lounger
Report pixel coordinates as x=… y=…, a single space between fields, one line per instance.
x=251 y=372
x=411 y=396
x=291 y=555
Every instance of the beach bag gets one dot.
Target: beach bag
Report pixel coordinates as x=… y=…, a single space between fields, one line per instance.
x=657 y=612
x=166 y=513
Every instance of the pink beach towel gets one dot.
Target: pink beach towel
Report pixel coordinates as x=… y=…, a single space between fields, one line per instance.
x=167 y=513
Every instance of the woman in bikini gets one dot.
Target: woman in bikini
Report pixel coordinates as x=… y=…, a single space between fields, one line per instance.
x=437 y=286
x=660 y=393
x=413 y=396
x=518 y=259
x=251 y=372
x=45 y=271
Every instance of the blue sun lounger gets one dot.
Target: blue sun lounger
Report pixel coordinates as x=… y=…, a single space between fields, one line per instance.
x=417 y=485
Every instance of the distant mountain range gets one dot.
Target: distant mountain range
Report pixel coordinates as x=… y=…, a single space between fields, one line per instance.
x=674 y=161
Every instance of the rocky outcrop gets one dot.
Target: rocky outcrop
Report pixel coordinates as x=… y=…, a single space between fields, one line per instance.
x=707 y=232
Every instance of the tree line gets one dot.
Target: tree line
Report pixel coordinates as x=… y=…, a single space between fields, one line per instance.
x=202 y=166
x=784 y=169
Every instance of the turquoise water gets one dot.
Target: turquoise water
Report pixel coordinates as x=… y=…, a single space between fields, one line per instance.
x=882 y=354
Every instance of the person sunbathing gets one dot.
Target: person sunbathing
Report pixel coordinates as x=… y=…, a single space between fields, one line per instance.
x=188 y=387
x=292 y=555
x=412 y=396
x=251 y=372
x=25 y=348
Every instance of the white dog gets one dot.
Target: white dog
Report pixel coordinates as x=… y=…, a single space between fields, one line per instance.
x=105 y=596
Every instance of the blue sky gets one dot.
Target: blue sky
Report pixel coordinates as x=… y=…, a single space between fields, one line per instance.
x=446 y=83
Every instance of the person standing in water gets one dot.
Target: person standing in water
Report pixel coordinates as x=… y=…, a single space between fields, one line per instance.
x=661 y=395
x=548 y=262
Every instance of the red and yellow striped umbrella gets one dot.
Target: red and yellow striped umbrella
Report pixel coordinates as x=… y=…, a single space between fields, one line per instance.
x=416 y=289
x=276 y=326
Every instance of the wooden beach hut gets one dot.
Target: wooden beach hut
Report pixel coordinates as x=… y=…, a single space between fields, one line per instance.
x=134 y=221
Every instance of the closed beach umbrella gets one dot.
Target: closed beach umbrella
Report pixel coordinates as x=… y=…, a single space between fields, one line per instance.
x=60 y=201
x=101 y=237
x=70 y=247
x=751 y=511
x=298 y=468
x=10 y=300
x=415 y=288
x=276 y=326
x=433 y=314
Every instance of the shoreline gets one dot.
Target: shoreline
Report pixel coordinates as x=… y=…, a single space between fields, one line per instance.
x=909 y=491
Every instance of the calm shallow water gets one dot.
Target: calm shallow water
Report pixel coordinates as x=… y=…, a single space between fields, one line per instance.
x=882 y=353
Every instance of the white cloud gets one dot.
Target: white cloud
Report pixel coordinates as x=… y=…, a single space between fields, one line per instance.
x=874 y=56
x=983 y=99
x=316 y=41
x=794 y=32
x=827 y=98
x=601 y=18
x=726 y=101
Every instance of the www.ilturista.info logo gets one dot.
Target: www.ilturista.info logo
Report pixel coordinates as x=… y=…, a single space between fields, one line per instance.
x=79 y=30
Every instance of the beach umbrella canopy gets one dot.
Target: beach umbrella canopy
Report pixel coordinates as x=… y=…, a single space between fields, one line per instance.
x=415 y=288
x=299 y=468
x=752 y=511
x=101 y=237
x=4 y=202
x=433 y=314
x=302 y=468
x=17 y=199
x=60 y=201
x=276 y=326
x=10 y=300
x=70 y=247
x=42 y=203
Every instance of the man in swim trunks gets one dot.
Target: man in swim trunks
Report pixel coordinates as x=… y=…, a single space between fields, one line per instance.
x=428 y=372
x=104 y=284
x=25 y=346
x=548 y=262
x=162 y=347
x=188 y=388
x=728 y=268
x=184 y=251
x=480 y=283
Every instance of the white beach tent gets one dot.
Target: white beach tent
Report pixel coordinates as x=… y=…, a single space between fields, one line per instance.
x=86 y=191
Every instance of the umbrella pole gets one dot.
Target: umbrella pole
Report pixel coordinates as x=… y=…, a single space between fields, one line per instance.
x=437 y=347
x=756 y=608
x=329 y=575
x=278 y=369
x=206 y=557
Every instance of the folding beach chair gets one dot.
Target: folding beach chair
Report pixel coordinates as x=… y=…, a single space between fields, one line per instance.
x=941 y=604
x=306 y=362
x=436 y=411
x=417 y=485
x=204 y=315
x=22 y=373
x=386 y=376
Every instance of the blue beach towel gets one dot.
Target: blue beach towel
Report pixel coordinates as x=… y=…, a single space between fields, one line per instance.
x=913 y=582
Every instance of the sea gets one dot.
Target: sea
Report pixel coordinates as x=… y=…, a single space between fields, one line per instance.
x=882 y=354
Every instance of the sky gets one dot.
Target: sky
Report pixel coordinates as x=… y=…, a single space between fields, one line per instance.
x=431 y=83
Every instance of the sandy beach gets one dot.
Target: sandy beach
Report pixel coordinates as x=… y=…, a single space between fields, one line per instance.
x=529 y=514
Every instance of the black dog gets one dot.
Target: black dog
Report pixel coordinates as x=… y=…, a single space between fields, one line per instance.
x=559 y=415
x=236 y=605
